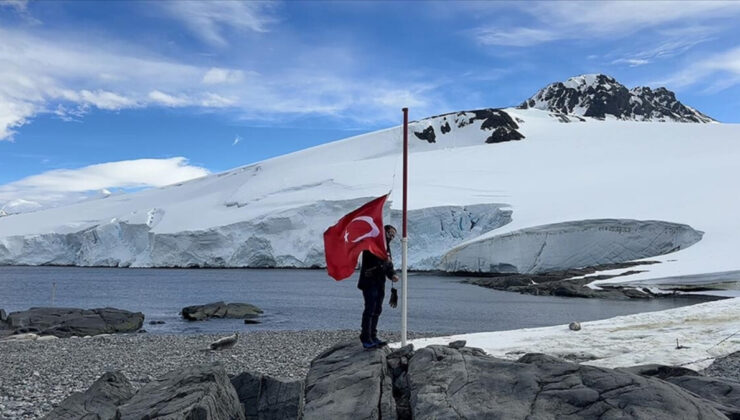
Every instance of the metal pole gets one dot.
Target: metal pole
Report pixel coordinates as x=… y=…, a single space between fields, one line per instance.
x=404 y=238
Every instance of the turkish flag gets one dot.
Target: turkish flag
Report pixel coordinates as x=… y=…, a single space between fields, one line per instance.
x=360 y=230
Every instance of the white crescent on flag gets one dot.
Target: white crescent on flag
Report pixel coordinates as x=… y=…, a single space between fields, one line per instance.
x=374 y=230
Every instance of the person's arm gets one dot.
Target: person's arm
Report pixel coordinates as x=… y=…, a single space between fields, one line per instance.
x=390 y=271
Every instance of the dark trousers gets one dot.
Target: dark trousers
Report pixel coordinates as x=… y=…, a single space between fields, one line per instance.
x=373 y=296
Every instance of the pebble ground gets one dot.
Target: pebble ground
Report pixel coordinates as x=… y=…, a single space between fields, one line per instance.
x=36 y=376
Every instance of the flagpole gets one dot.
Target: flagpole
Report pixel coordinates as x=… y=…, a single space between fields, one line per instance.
x=404 y=238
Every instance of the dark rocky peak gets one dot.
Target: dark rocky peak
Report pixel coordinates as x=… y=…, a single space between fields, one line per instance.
x=496 y=125
x=599 y=96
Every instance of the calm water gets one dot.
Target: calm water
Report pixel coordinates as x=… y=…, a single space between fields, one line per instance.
x=298 y=299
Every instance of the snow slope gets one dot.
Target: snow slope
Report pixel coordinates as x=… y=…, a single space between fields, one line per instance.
x=705 y=331
x=557 y=194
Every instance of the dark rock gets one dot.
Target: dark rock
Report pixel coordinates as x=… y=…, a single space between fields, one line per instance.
x=348 y=381
x=725 y=367
x=427 y=134
x=248 y=386
x=197 y=392
x=602 y=96
x=398 y=363
x=636 y=293
x=574 y=326
x=445 y=128
x=504 y=134
x=659 y=371
x=561 y=283
x=465 y=383
x=220 y=310
x=280 y=399
x=242 y=310
x=66 y=322
x=723 y=393
x=458 y=344
x=3 y=315
x=251 y=321
x=568 y=289
x=156 y=322
x=99 y=402
x=405 y=351
x=267 y=398
x=142 y=331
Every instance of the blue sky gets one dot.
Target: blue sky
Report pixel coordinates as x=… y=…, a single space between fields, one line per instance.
x=127 y=95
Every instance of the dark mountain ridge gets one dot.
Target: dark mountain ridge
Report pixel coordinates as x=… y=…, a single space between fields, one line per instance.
x=599 y=96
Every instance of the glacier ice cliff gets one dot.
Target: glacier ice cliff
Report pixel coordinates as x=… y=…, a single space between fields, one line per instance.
x=289 y=238
x=562 y=246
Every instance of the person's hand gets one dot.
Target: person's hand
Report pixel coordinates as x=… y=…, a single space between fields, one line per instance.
x=395 y=278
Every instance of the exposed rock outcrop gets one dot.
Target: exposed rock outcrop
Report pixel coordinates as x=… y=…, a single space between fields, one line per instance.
x=453 y=381
x=197 y=392
x=727 y=366
x=465 y=383
x=99 y=402
x=599 y=96
x=347 y=381
x=67 y=322
x=722 y=393
x=220 y=310
x=498 y=123
x=266 y=398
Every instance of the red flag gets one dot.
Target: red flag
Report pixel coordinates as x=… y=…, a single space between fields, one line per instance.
x=360 y=230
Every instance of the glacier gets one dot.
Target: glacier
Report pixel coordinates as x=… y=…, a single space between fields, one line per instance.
x=502 y=190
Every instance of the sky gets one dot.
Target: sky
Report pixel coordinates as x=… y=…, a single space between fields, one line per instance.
x=112 y=97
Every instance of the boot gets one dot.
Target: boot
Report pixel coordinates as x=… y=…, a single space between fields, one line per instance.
x=365 y=336
x=374 y=332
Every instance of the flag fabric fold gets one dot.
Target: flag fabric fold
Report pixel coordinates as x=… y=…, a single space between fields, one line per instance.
x=360 y=230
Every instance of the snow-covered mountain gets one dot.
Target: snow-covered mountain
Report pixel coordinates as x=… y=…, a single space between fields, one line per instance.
x=510 y=190
x=600 y=96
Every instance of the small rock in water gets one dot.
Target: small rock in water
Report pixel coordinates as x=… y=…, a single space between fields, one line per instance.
x=251 y=321
x=156 y=322
x=458 y=344
x=574 y=326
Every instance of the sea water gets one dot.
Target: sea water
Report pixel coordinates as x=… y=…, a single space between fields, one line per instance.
x=299 y=299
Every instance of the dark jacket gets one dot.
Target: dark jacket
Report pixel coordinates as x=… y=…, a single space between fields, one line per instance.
x=374 y=271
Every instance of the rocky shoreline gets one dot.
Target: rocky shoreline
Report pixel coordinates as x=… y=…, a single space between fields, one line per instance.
x=38 y=375
x=567 y=283
x=438 y=381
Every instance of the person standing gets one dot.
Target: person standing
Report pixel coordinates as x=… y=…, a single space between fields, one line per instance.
x=373 y=274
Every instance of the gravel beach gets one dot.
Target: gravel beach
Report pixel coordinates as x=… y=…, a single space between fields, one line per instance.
x=35 y=376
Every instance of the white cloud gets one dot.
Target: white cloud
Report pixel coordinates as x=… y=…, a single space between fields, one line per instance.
x=105 y=100
x=216 y=76
x=206 y=19
x=559 y=20
x=723 y=71
x=63 y=186
x=167 y=100
x=632 y=62
x=18 y=5
x=51 y=73
x=13 y=114
x=516 y=37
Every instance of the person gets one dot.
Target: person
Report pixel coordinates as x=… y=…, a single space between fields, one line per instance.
x=373 y=273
